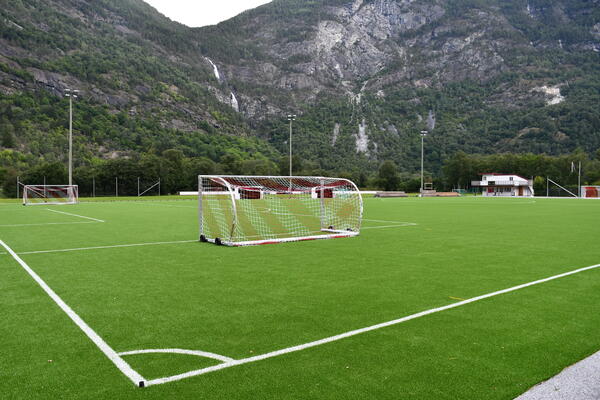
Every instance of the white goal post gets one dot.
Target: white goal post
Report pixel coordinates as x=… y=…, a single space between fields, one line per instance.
x=50 y=194
x=249 y=210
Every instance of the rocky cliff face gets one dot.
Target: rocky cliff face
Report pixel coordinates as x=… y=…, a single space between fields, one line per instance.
x=353 y=46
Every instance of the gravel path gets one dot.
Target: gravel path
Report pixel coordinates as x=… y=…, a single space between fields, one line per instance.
x=580 y=381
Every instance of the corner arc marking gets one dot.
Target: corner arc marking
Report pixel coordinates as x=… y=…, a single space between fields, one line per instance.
x=198 y=353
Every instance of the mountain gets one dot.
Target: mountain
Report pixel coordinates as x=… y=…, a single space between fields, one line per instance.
x=364 y=77
x=143 y=84
x=512 y=76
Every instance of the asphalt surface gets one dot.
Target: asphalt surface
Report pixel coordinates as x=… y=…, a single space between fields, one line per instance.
x=580 y=381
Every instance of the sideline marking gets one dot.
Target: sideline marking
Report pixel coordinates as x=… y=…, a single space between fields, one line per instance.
x=105 y=247
x=75 y=215
x=112 y=355
x=47 y=223
x=344 y=335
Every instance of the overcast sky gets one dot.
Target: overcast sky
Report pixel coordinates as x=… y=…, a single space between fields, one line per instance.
x=197 y=13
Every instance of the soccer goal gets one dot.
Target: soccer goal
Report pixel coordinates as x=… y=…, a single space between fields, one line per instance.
x=250 y=210
x=50 y=194
x=590 y=192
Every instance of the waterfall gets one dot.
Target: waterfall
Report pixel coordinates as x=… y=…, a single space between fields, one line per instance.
x=215 y=69
x=529 y=10
x=336 y=132
x=234 y=103
x=362 y=139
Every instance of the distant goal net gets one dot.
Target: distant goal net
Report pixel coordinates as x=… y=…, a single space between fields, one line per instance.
x=50 y=194
x=250 y=210
x=590 y=192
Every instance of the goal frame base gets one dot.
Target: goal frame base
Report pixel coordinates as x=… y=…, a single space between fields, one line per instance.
x=334 y=234
x=51 y=203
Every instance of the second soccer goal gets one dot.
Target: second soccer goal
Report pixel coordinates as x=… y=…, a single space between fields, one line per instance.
x=50 y=194
x=250 y=210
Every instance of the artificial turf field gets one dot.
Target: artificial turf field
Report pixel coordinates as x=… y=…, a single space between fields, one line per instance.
x=412 y=255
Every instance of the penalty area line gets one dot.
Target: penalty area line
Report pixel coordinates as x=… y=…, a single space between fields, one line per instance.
x=389 y=226
x=112 y=355
x=75 y=215
x=106 y=247
x=355 y=332
x=47 y=223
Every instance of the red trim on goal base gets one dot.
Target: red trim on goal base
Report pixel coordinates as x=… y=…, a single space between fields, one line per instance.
x=338 y=235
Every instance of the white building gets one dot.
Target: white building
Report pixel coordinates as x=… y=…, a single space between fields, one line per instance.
x=504 y=185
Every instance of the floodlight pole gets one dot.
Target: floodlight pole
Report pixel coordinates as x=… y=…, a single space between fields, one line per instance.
x=423 y=134
x=71 y=94
x=579 y=181
x=291 y=117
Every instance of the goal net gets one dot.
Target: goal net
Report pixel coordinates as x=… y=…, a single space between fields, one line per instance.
x=248 y=210
x=590 y=192
x=50 y=194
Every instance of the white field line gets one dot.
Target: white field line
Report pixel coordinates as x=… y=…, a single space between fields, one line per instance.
x=75 y=215
x=48 y=223
x=162 y=243
x=198 y=353
x=106 y=247
x=383 y=220
x=355 y=332
x=112 y=355
x=389 y=226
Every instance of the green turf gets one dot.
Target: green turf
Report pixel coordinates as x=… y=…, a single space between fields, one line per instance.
x=240 y=302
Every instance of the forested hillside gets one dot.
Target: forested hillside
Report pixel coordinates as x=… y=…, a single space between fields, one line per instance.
x=364 y=77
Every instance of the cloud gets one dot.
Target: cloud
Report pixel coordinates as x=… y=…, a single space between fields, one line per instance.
x=196 y=13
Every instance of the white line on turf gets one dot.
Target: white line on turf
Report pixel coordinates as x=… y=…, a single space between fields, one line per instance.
x=94 y=337
x=75 y=215
x=48 y=223
x=198 y=353
x=171 y=242
x=344 y=335
x=386 y=221
x=105 y=247
x=389 y=226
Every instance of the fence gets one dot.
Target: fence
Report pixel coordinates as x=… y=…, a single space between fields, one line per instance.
x=105 y=186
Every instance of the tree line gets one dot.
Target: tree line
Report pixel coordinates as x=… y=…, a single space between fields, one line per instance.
x=459 y=170
x=177 y=172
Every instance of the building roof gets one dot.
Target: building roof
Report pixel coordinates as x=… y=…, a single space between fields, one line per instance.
x=501 y=174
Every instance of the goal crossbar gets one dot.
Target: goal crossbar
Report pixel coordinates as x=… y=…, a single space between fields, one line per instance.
x=239 y=210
